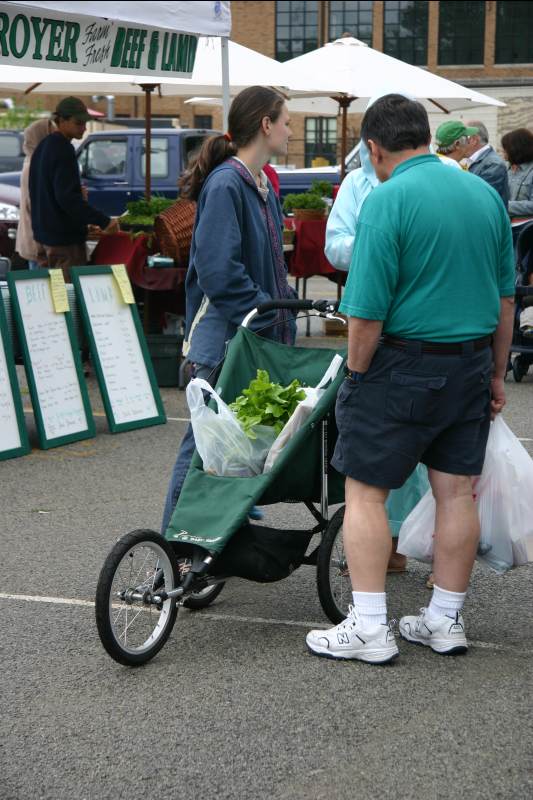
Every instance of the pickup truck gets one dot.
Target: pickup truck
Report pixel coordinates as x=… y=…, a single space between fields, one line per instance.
x=11 y=152
x=112 y=164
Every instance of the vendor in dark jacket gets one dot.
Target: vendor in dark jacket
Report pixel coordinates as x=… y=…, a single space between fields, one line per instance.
x=59 y=212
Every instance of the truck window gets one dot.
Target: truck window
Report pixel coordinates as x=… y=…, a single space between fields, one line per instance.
x=9 y=146
x=158 y=158
x=191 y=148
x=104 y=157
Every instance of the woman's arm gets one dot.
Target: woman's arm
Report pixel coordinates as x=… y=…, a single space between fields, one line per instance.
x=222 y=275
x=342 y=220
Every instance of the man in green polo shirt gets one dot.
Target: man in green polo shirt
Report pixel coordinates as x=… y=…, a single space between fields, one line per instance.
x=429 y=298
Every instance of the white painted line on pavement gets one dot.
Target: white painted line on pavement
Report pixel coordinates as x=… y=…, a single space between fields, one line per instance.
x=102 y=414
x=188 y=419
x=68 y=601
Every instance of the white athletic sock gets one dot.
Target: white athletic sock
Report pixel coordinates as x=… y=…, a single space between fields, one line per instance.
x=444 y=603
x=371 y=608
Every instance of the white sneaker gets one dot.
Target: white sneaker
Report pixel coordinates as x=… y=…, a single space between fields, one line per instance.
x=350 y=640
x=445 y=635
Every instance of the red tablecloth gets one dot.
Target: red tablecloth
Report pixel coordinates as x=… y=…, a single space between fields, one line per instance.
x=122 y=248
x=308 y=256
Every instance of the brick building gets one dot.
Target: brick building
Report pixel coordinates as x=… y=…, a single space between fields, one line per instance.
x=487 y=46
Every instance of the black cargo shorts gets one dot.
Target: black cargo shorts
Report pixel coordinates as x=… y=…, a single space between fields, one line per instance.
x=414 y=407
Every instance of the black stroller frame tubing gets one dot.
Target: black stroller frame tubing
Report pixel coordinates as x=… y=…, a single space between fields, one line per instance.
x=324 y=506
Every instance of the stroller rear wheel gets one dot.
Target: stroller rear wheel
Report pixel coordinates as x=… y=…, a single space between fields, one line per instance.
x=520 y=367
x=333 y=580
x=133 y=623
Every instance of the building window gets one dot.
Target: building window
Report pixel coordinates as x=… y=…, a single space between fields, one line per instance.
x=296 y=28
x=461 y=32
x=405 y=30
x=351 y=17
x=320 y=139
x=514 y=43
x=204 y=121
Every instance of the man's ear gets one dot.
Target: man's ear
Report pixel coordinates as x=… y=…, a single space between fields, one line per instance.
x=375 y=151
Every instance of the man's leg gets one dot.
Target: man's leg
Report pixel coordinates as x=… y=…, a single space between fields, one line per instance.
x=365 y=634
x=367 y=539
x=64 y=257
x=456 y=530
x=440 y=626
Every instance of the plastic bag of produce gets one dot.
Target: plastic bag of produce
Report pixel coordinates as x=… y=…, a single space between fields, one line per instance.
x=224 y=447
x=302 y=411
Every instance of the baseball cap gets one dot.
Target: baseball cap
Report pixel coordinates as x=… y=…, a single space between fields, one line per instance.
x=73 y=107
x=450 y=131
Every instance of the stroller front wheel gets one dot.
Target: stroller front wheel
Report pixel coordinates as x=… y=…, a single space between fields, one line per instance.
x=132 y=626
x=333 y=581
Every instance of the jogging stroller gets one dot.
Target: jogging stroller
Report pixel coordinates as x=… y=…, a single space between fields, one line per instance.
x=522 y=345
x=210 y=538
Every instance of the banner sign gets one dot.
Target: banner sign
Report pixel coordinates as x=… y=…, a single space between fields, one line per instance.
x=40 y=38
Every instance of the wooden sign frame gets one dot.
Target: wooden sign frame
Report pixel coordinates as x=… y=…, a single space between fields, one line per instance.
x=11 y=374
x=116 y=426
x=46 y=441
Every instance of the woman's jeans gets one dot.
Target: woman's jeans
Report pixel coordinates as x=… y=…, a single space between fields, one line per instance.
x=185 y=453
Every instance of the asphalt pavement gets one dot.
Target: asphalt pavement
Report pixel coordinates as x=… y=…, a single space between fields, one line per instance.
x=234 y=706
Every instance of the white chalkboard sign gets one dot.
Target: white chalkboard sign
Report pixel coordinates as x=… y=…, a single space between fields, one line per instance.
x=51 y=360
x=13 y=436
x=118 y=349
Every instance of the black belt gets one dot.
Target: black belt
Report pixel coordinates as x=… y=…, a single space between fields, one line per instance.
x=437 y=348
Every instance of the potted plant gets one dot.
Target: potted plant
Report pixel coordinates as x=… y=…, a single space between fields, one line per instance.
x=140 y=214
x=305 y=206
x=321 y=188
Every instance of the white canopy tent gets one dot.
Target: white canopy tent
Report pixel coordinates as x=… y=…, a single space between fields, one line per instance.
x=92 y=30
x=351 y=73
x=193 y=16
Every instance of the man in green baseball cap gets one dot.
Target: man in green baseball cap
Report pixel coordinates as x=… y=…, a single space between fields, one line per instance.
x=452 y=139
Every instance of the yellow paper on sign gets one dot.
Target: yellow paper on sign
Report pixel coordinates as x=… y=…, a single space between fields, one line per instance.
x=124 y=285
x=59 y=291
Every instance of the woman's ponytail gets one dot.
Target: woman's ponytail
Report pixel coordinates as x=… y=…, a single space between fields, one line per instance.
x=214 y=151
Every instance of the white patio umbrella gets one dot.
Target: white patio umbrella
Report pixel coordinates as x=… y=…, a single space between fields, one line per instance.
x=246 y=68
x=351 y=73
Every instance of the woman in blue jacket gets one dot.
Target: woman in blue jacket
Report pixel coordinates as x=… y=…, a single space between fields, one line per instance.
x=236 y=259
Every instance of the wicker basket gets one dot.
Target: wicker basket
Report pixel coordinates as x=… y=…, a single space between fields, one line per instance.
x=173 y=229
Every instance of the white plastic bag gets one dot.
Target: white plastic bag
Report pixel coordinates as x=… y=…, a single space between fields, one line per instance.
x=223 y=446
x=302 y=411
x=504 y=497
x=416 y=534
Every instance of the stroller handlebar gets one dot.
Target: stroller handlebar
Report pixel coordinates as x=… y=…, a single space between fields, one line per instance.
x=322 y=308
